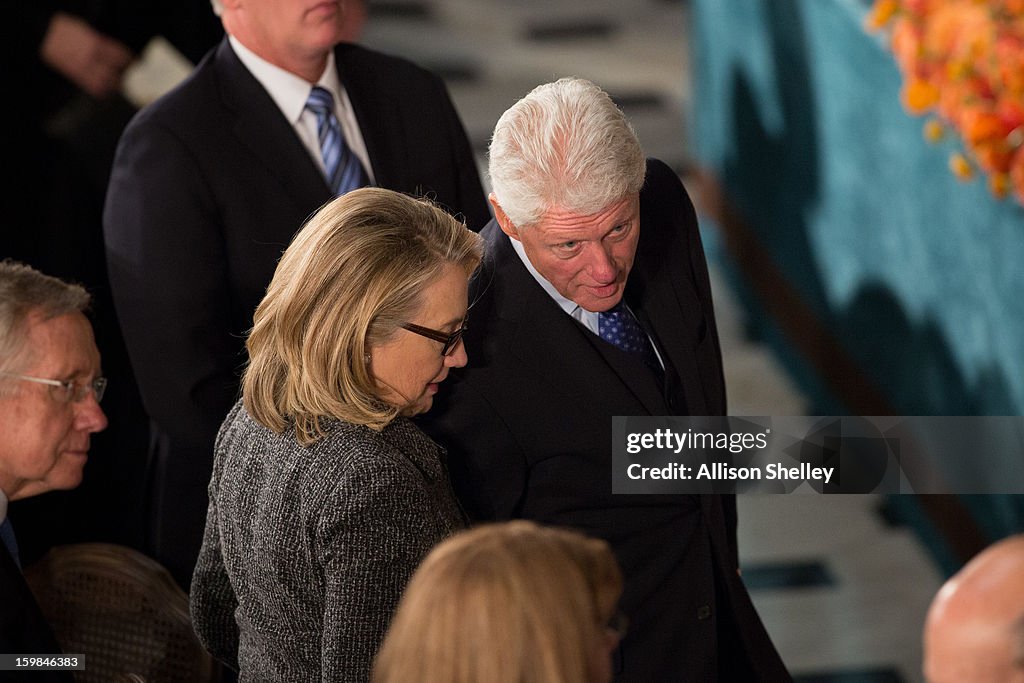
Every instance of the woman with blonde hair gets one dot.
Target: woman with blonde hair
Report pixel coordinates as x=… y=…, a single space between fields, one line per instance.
x=509 y=602
x=325 y=496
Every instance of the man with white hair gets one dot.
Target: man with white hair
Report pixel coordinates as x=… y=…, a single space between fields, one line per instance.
x=50 y=388
x=974 y=630
x=594 y=301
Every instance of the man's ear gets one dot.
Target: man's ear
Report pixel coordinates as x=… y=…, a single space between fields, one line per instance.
x=504 y=221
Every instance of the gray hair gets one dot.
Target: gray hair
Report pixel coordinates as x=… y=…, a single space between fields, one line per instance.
x=567 y=145
x=217 y=6
x=25 y=291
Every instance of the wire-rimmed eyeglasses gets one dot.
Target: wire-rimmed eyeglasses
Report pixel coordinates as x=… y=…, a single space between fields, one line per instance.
x=73 y=390
x=450 y=341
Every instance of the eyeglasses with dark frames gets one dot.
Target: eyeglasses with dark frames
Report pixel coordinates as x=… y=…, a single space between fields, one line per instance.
x=72 y=391
x=450 y=341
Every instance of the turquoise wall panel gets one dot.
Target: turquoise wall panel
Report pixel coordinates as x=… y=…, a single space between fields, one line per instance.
x=920 y=276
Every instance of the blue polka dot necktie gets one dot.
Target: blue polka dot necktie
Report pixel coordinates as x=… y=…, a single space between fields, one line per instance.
x=7 y=536
x=342 y=168
x=618 y=326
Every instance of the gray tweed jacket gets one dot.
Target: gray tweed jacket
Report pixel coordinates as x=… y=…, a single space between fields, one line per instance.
x=307 y=550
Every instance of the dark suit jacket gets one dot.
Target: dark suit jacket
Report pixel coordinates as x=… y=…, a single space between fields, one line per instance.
x=23 y=629
x=209 y=185
x=528 y=428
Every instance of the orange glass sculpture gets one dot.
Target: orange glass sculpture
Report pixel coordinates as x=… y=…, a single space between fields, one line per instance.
x=963 y=66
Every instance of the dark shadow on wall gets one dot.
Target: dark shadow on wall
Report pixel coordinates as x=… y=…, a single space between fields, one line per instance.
x=915 y=366
x=899 y=366
x=913 y=362
x=774 y=177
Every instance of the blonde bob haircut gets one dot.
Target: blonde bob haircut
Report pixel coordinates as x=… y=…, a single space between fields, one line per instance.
x=352 y=275
x=507 y=602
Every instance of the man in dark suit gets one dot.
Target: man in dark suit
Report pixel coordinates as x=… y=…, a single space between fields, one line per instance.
x=209 y=185
x=594 y=301
x=50 y=390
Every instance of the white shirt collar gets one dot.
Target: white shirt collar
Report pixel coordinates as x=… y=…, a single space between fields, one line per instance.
x=288 y=91
x=3 y=506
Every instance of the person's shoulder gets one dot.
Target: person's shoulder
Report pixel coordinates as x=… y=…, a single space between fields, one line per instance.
x=241 y=431
x=190 y=100
x=664 y=192
x=491 y=233
x=359 y=61
x=342 y=457
x=351 y=448
x=661 y=176
x=363 y=464
x=236 y=419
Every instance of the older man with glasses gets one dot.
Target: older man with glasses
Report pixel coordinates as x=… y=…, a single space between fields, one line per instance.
x=50 y=388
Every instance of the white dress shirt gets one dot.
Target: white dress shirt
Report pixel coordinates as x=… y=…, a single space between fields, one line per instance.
x=290 y=93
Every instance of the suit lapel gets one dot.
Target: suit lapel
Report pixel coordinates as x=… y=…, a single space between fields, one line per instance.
x=547 y=339
x=260 y=126
x=22 y=625
x=667 y=313
x=653 y=311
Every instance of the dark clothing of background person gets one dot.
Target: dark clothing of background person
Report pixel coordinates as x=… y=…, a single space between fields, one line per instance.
x=209 y=185
x=527 y=424
x=59 y=143
x=63 y=139
x=23 y=628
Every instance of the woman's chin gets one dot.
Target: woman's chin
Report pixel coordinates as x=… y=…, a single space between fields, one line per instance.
x=421 y=406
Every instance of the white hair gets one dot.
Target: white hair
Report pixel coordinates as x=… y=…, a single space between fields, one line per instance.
x=566 y=145
x=217 y=6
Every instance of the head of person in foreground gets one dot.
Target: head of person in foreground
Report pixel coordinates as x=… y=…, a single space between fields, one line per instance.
x=507 y=602
x=974 y=630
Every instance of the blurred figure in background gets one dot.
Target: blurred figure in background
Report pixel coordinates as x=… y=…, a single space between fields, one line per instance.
x=510 y=602
x=209 y=185
x=50 y=389
x=325 y=496
x=67 y=64
x=974 y=630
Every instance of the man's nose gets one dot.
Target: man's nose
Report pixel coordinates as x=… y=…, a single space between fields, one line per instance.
x=89 y=416
x=601 y=265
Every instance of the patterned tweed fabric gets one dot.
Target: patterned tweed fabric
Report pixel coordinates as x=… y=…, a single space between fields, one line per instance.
x=307 y=550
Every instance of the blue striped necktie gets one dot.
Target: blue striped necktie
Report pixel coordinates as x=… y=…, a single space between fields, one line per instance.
x=343 y=170
x=7 y=536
